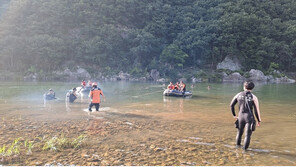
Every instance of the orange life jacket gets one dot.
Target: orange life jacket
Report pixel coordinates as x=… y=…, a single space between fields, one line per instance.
x=95 y=95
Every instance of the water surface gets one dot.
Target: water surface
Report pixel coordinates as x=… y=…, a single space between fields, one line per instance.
x=201 y=127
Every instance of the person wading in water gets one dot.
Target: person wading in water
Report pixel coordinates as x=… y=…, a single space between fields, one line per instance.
x=246 y=101
x=95 y=95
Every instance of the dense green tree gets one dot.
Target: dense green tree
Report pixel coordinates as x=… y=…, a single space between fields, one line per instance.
x=136 y=36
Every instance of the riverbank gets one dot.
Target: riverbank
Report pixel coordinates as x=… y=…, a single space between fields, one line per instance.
x=127 y=139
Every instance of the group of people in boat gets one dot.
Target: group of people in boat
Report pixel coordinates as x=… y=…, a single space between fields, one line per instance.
x=89 y=83
x=178 y=86
x=95 y=94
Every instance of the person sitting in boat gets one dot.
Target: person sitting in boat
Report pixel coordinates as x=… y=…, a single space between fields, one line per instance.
x=83 y=83
x=182 y=86
x=90 y=84
x=177 y=86
x=72 y=96
x=171 y=86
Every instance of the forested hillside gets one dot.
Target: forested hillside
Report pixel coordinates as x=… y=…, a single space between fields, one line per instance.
x=136 y=36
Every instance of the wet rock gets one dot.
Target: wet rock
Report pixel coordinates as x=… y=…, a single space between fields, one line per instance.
x=31 y=77
x=282 y=80
x=142 y=79
x=230 y=63
x=162 y=80
x=159 y=149
x=234 y=77
x=257 y=75
x=105 y=163
x=196 y=80
x=152 y=146
x=123 y=76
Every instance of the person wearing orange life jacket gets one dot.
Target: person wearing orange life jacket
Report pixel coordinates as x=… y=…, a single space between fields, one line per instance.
x=95 y=95
x=171 y=86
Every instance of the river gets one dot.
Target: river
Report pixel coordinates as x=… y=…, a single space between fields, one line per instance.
x=138 y=126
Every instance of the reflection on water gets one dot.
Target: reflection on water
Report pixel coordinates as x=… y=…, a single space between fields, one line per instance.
x=198 y=127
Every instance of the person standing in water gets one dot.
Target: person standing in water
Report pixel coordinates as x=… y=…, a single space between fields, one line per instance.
x=72 y=96
x=95 y=95
x=247 y=102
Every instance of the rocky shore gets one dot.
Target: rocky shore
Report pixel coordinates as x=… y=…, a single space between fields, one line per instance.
x=228 y=71
x=121 y=139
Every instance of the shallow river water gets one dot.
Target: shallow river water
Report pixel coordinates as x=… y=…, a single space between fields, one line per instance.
x=136 y=125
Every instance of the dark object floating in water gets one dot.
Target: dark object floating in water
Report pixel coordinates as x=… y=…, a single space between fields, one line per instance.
x=176 y=93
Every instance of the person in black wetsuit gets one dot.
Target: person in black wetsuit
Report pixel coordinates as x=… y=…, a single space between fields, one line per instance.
x=72 y=95
x=247 y=102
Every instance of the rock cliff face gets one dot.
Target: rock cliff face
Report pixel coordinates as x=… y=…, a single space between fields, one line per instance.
x=234 y=77
x=230 y=63
x=154 y=75
x=123 y=76
x=257 y=75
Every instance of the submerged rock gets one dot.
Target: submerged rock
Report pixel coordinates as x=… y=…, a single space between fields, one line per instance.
x=230 y=63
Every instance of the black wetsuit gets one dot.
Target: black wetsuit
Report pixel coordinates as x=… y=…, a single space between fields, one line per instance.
x=245 y=116
x=72 y=97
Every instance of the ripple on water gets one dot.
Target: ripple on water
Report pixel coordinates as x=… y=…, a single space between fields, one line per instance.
x=101 y=109
x=105 y=109
x=195 y=138
x=183 y=141
x=259 y=150
x=203 y=143
x=229 y=146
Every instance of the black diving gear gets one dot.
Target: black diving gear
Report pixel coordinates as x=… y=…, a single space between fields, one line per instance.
x=245 y=116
